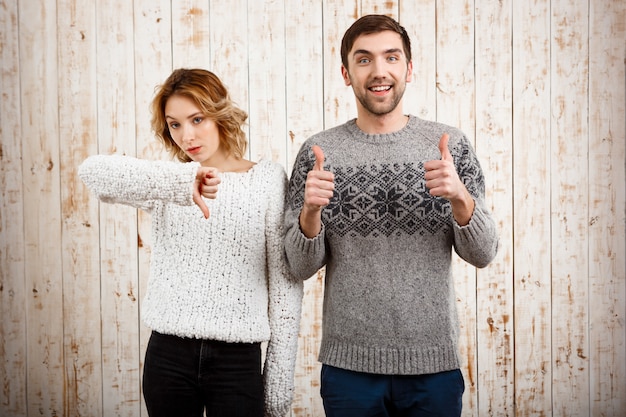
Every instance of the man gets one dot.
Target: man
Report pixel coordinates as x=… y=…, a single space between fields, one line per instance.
x=381 y=201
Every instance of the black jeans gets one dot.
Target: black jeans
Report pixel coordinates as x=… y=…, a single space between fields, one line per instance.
x=184 y=377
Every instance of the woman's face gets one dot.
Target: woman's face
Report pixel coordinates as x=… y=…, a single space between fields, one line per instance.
x=197 y=135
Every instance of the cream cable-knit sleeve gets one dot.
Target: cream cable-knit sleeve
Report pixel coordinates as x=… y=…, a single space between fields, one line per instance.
x=138 y=182
x=285 y=303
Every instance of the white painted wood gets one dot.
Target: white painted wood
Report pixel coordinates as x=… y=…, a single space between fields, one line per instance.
x=304 y=97
x=339 y=104
x=80 y=236
x=456 y=106
x=13 y=289
x=191 y=33
x=569 y=196
x=531 y=221
x=152 y=22
x=607 y=208
x=266 y=90
x=418 y=18
x=42 y=227
x=494 y=146
x=229 y=52
x=118 y=223
x=538 y=87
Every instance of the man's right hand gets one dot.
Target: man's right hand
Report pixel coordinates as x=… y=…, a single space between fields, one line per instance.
x=318 y=190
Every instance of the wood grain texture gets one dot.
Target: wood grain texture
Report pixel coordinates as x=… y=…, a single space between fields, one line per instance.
x=80 y=235
x=43 y=276
x=607 y=208
x=539 y=87
x=121 y=395
x=494 y=145
x=152 y=22
x=13 y=290
x=531 y=220
x=569 y=141
x=455 y=101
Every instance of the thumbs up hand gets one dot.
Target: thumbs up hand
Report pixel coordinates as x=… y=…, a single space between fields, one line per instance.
x=441 y=177
x=443 y=181
x=320 y=184
x=318 y=190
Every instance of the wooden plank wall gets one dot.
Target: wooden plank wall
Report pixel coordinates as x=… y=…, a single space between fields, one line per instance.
x=538 y=85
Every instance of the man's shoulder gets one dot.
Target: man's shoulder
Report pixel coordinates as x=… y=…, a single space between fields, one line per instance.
x=331 y=133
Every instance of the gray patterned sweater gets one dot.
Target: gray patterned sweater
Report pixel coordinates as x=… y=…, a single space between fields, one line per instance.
x=223 y=278
x=389 y=303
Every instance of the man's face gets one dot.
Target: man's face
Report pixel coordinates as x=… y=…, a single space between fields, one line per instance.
x=378 y=72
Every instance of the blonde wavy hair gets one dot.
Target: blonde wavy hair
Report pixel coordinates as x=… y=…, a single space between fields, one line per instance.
x=208 y=92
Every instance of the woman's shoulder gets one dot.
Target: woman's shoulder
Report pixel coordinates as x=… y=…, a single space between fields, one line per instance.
x=269 y=167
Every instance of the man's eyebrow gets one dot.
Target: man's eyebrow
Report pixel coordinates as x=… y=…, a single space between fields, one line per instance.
x=387 y=51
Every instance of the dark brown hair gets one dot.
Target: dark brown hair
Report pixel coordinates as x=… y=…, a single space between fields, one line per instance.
x=208 y=92
x=373 y=23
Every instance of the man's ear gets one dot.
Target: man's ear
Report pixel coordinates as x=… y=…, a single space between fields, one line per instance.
x=409 y=72
x=345 y=75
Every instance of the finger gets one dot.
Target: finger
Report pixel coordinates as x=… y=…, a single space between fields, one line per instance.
x=443 y=147
x=319 y=158
x=203 y=207
x=205 y=210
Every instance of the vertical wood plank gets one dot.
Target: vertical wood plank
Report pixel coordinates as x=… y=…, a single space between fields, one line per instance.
x=13 y=293
x=191 y=33
x=339 y=104
x=81 y=267
x=42 y=231
x=569 y=207
x=607 y=208
x=388 y=8
x=455 y=106
x=494 y=144
x=118 y=223
x=531 y=222
x=153 y=36
x=305 y=117
x=266 y=30
x=229 y=52
x=418 y=18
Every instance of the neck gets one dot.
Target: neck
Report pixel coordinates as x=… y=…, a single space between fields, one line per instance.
x=381 y=124
x=228 y=164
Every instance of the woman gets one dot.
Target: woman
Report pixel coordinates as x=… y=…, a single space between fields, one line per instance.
x=218 y=285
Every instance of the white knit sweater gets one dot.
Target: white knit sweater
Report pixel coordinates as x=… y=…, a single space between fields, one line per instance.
x=222 y=278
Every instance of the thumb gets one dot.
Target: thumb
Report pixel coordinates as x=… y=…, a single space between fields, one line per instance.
x=443 y=148
x=197 y=198
x=319 y=158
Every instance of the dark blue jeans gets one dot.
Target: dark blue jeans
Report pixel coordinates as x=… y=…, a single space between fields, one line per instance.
x=348 y=394
x=184 y=377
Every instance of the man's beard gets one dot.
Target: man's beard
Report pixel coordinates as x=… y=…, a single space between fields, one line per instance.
x=381 y=108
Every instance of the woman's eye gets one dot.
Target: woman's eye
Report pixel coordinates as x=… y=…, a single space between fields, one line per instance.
x=173 y=125
x=197 y=120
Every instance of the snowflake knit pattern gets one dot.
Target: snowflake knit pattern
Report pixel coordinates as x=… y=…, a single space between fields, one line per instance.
x=389 y=302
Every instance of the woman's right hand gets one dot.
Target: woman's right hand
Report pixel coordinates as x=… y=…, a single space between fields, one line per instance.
x=207 y=180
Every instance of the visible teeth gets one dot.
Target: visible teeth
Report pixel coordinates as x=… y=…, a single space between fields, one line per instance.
x=381 y=88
